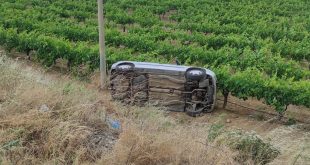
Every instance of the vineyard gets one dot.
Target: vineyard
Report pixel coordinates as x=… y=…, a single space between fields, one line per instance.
x=257 y=48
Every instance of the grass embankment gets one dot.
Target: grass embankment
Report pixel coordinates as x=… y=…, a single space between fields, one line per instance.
x=53 y=121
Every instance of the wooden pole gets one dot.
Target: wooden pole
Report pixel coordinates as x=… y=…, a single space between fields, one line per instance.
x=103 y=69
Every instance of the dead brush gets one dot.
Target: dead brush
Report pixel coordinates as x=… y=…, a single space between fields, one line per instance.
x=70 y=130
x=175 y=145
x=151 y=137
x=9 y=79
x=251 y=148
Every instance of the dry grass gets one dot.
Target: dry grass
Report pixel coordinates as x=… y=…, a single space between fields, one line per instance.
x=62 y=133
x=70 y=131
x=46 y=121
x=176 y=147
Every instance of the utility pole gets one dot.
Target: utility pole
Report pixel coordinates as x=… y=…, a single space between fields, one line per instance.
x=103 y=68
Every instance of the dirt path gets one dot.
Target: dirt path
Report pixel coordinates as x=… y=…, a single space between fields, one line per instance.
x=292 y=141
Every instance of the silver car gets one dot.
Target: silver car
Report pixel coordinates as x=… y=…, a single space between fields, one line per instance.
x=176 y=87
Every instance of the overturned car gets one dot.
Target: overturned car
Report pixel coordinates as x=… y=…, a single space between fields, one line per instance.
x=175 y=87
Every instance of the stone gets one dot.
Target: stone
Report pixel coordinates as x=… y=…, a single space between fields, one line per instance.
x=44 y=108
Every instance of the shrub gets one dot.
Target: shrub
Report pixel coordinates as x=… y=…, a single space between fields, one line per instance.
x=250 y=147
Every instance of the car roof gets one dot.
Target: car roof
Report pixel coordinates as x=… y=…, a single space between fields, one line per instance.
x=162 y=67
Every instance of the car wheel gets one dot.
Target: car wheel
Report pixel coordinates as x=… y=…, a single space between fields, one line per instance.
x=208 y=110
x=193 y=110
x=194 y=74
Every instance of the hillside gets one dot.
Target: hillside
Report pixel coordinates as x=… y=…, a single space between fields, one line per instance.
x=51 y=118
x=52 y=111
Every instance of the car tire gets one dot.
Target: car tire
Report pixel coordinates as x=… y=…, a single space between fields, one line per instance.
x=195 y=74
x=193 y=110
